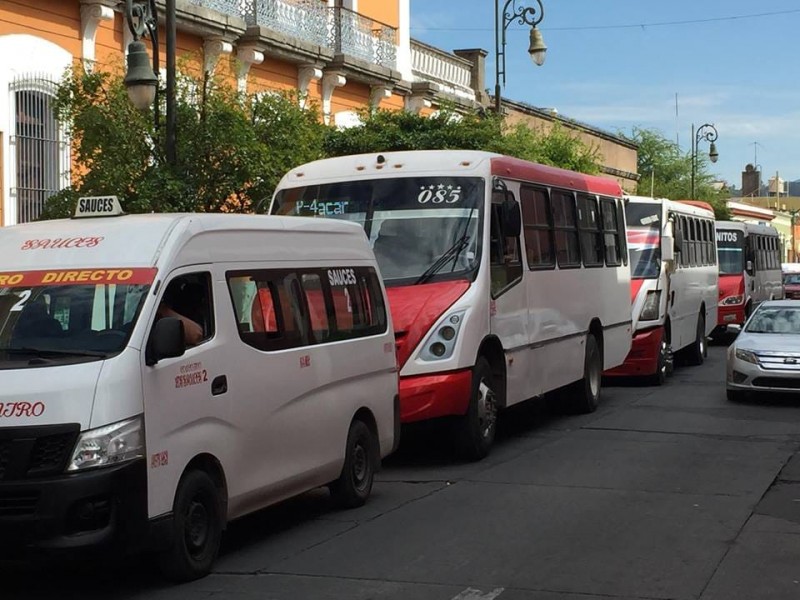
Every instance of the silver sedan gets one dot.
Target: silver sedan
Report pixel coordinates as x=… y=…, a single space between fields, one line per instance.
x=765 y=357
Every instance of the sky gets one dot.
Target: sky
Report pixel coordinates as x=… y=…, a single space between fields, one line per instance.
x=619 y=64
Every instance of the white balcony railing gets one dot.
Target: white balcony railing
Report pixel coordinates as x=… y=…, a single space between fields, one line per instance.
x=451 y=72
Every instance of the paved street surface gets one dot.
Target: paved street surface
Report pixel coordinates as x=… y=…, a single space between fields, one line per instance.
x=667 y=492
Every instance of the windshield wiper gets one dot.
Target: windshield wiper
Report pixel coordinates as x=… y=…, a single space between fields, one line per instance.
x=47 y=352
x=451 y=253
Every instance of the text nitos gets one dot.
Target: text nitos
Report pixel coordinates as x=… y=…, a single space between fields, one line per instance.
x=339 y=277
x=727 y=236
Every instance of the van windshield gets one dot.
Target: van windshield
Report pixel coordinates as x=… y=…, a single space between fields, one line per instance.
x=421 y=228
x=45 y=319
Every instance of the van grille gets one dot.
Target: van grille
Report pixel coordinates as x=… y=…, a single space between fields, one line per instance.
x=18 y=504
x=31 y=452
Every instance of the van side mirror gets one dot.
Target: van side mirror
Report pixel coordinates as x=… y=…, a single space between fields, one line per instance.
x=166 y=341
x=511 y=217
x=749 y=267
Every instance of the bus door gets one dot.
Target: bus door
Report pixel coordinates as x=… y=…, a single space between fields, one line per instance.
x=508 y=310
x=682 y=298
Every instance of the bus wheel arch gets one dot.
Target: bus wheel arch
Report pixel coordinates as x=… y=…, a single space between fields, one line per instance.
x=492 y=350
x=596 y=329
x=198 y=520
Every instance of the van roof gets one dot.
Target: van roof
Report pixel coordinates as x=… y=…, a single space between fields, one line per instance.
x=135 y=240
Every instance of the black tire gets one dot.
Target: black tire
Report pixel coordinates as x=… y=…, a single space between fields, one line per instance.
x=475 y=431
x=736 y=395
x=197 y=526
x=354 y=485
x=697 y=352
x=584 y=394
x=662 y=366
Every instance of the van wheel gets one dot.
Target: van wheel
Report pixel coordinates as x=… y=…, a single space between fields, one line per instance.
x=584 y=394
x=475 y=431
x=196 y=529
x=698 y=351
x=354 y=485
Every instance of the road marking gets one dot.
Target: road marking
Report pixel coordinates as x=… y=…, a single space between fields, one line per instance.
x=473 y=594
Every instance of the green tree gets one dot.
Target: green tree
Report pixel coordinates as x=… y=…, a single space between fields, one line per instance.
x=231 y=149
x=387 y=130
x=665 y=172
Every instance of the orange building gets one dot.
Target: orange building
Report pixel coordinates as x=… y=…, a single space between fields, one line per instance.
x=343 y=54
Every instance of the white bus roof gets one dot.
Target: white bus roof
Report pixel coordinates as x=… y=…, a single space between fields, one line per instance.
x=748 y=228
x=678 y=206
x=138 y=240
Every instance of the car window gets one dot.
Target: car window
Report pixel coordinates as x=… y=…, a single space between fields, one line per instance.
x=775 y=320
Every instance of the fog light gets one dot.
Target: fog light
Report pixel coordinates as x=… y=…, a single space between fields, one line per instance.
x=438 y=349
x=447 y=333
x=739 y=377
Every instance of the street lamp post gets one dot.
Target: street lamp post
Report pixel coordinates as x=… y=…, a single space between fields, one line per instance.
x=140 y=79
x=525 y=15
x=708 y=133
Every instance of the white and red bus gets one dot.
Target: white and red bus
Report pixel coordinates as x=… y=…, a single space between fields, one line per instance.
x=673 y=284
x=749 y=269
x=506 y=279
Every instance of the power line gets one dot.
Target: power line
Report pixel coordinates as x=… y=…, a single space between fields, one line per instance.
x=632 y=25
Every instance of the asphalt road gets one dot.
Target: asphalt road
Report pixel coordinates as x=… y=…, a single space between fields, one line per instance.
x=667 y=492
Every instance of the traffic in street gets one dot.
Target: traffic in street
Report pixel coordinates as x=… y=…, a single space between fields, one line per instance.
x=663 y=492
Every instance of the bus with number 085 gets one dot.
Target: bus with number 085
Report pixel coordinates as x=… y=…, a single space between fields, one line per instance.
x=673 y=284
x=506 y=279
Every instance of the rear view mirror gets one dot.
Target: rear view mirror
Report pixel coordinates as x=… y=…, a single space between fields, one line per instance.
x=749 y=267
x=166 y=340
x=511 y=217
x=667 y=249
x=678 y=241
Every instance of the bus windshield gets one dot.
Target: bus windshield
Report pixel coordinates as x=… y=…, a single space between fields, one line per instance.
x=730 y=251
x=66 y=323
x=644 y=239
x=421 y=228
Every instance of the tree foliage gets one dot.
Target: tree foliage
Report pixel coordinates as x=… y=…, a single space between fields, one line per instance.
x=232 y=149
x=666 y=172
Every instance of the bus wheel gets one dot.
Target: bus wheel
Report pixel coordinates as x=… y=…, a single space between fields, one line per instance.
x=354 y=485
x=476 y=429
x=698 y=351
x=196 y=529
x=662 y=366
x=584 y=394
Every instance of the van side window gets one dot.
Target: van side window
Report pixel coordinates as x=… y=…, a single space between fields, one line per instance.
x=189 y=297
x=278 y=309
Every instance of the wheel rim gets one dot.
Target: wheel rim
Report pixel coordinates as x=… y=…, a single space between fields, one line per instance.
x=487 y=409
x=663 y=359
x=360 y=466
x=701 y=333
x=594 y=377
x=198 y=527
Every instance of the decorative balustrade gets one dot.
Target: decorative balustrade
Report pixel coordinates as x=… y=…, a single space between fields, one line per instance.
x=233 y=8
x=431 y=64
x=364 y=38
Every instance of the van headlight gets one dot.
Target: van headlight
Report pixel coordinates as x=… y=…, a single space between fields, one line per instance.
x=108 y=445
x=442 y=342
x=652 y=302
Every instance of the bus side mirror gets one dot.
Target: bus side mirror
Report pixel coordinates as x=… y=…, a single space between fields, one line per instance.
x=667 y=248
x=511 y=217
x=166 y=341
x=749 y=267
x=678 y=241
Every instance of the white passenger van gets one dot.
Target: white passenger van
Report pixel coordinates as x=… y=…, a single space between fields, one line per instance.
x=161 y=375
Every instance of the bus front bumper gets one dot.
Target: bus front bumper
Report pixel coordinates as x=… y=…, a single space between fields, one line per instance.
x=93 y=509
x=425 y=397
x=642 y=360
x=730 y=315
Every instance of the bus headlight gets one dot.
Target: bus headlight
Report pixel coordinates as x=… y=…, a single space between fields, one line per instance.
x=442 y=341
x=651 y=305
x=108 y=445
x=732 y=301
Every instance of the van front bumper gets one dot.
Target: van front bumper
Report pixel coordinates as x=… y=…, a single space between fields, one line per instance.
x=97 y=508
x=431 y=396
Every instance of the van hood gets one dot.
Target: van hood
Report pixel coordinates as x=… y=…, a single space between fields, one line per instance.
x=48 y=396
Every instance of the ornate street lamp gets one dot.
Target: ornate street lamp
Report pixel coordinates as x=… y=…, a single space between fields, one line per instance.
x=708 y=133
x=140 y=79
x=524 y=15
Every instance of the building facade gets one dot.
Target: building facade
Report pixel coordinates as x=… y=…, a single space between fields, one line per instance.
x=342 y=54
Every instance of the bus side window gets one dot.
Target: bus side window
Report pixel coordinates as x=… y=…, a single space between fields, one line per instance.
x=505 y=252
